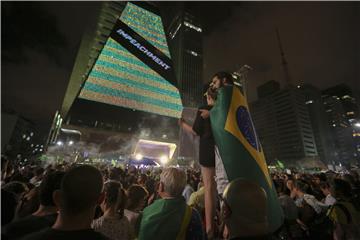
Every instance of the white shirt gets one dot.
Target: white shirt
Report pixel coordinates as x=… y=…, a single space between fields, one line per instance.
x=188 y=190
x=311 y=200
x=330 y=200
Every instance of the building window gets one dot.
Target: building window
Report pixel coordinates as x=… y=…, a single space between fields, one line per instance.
x=172 y=35
x=189 y=25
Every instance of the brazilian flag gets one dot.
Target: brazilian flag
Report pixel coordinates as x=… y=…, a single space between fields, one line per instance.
x=239 y=147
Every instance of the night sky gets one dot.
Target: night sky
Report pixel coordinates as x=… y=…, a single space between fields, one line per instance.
x=321 y=42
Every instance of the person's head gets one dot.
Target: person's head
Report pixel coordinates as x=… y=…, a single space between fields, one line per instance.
x=39 y=172
x=341 y=189
x=115 y=174
x=8 y=206
x=80 y=191
x=325 y=188
x=150 y=186
x=301 y=187
x=136 y=197
x=349 y=178
x=245 y=209
x=48 y=186
x=114 y=196
x=221 y=79
x=17 y=188
x=316 y=179
x=290 y=184
x=355 y=175
x=211 y=96
x=172 y=182
x=142 y=178
x=280 y=187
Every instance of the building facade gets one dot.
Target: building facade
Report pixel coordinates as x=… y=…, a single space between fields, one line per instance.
x=112 y=88
x=319 y=120
x=343 y=115
x=186 y=48
x=19 y=139
x=283 y=124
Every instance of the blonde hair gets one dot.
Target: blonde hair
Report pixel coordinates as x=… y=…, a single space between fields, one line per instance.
x=174 y=181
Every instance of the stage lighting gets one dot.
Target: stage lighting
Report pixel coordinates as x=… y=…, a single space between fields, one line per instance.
x=164 y=159
x=138 y=156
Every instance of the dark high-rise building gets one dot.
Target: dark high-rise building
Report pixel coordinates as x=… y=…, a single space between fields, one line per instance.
x=268 y=88
x=343 y=115
x=19 y=140
x=322 y=131
x=185 y=40
x=347 y=99
x=284 y=127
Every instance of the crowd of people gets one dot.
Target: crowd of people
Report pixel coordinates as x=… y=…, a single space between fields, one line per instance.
x=71 y=201
x=78 y=201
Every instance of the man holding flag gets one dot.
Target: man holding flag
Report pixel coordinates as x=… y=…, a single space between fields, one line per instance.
x=238 y=151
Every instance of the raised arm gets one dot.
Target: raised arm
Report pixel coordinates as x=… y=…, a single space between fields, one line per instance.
x=186 y=127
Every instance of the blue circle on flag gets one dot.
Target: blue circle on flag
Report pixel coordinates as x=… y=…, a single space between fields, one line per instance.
x=245 y=125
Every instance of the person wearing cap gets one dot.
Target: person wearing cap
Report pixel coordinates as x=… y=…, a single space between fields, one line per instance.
x=244 y=211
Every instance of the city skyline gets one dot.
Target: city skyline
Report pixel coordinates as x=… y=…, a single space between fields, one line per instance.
x=55 y=68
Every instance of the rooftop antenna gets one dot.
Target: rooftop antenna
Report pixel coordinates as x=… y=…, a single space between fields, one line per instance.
x=241 y=76
x=283 y=59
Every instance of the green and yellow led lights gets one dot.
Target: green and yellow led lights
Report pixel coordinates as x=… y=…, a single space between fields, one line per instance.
x=146 y=24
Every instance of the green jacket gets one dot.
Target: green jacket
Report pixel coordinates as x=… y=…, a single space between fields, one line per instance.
x=164 y=219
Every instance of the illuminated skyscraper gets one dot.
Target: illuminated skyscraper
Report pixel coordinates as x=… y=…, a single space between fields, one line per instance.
x=344 y=118
x=123 y=72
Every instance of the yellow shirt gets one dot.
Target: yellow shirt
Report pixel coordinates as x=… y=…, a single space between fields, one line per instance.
x=197 y=199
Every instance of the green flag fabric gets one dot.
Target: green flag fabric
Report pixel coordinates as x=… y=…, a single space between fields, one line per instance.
x=239 y=147
x=163 y=219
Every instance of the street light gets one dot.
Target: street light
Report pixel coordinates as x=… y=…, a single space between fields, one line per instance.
x=59 y=143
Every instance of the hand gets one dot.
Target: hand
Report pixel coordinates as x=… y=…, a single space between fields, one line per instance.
x=204 y=113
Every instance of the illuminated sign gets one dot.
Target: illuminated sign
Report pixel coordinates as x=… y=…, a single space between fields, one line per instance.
x=142 y=49
x=134 y=68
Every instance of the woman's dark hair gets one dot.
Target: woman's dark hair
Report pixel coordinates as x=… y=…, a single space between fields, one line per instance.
x=302 y=186
x=224 y=76
x=136 y=195
x=114 y=193
x=112 y=189
x=38 y=171
x=324 y=185
x=150 y=186
x=116 y=174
